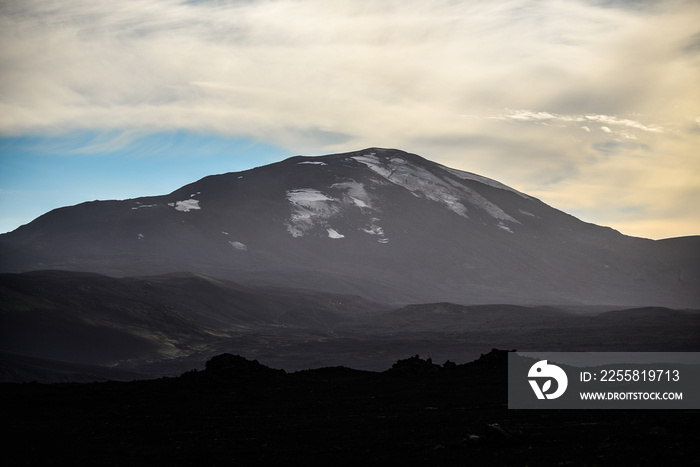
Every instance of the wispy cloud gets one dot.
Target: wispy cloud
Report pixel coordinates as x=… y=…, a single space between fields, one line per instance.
x=547 y=117
x=318 y=76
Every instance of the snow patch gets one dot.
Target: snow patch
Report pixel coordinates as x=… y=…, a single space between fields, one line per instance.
x=420 y=182
x=297 y=229
x=334 y=233
x=312 y=208
x=526 y=213
x=355 y=193
x=140 y=236
x=309 y=207
x=359 y=203
x=144 y=205
x=239 y=246
x=482 y=203
x=446 y=191
x=312 y=163
x=486 y=181
x=504 y=227
x=374 y=229
x=372 y=161
x=186 y=205
x=308 y=197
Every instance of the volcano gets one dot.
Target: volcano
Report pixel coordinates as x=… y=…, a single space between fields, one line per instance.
x=383 y=224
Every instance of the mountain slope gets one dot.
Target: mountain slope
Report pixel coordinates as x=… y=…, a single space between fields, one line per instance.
x=71 y=326
x=133 y=323
x=384 y=224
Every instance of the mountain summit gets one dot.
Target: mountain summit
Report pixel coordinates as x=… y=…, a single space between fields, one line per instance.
x=381 y=223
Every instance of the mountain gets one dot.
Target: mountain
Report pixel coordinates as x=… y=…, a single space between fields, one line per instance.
x=383 y=224
x=76 y=326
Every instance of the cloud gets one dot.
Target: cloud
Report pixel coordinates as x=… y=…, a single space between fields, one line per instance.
x=547 y=118
x=318 y=76
x=246 y=66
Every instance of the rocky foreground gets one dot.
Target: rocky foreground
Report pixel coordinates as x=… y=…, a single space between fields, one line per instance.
x=239 y=412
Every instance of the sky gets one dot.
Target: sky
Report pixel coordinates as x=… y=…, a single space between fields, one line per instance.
x=592 y=106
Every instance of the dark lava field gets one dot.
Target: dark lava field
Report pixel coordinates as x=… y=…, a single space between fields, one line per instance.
x=240 y=412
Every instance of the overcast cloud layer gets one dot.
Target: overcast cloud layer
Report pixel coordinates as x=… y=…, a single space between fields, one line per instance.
x=592 y=106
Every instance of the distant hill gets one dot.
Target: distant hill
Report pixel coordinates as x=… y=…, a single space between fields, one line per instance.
x=58 y=326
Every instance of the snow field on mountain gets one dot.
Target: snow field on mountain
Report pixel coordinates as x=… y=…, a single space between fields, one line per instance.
x=424 y=184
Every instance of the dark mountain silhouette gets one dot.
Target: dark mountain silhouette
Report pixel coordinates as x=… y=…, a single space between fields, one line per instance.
x=383 y=224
